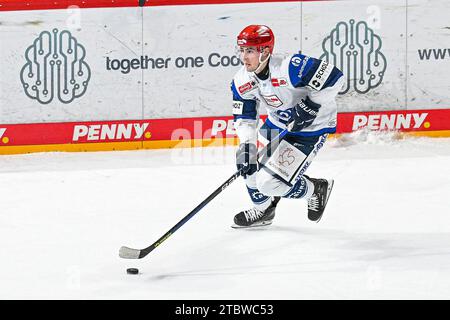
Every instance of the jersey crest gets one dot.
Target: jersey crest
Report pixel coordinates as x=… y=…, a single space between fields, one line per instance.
x=273 y=100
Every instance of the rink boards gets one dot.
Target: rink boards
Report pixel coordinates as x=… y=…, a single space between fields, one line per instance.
x=191 y=132
x=106 y=75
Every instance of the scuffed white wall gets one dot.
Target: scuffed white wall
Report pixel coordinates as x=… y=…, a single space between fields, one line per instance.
x=165 y=62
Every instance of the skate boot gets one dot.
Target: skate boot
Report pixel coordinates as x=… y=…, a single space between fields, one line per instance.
x=254 y=217
x=319 y=199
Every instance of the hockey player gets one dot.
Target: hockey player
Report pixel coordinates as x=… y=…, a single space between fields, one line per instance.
x=298 y=93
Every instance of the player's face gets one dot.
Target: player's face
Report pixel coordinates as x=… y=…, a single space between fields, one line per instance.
x=249 y=57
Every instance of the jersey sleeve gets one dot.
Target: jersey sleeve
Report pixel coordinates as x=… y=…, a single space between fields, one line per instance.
x=313 y=73
x=245 y=112
x=244 y=106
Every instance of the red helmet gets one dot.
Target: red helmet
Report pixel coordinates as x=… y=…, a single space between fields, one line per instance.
x=259 y=36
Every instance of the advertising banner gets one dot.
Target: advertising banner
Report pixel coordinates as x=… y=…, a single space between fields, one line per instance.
x=130 y=63
x=191 y=132
x=367 y=41
x=55 y=65
x=196 y=46
x=428 y=54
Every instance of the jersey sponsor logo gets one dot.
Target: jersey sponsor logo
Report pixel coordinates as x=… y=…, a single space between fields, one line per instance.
x=281 y=82
x=298 y=191
x=247 y=87
x=320 y=144
x=296 y=61
x=389 y=122
x=273 y=101
x=106 y=132
x=303 y=170
x=286 y=158
x=238 y=107
x=321 y=75
x=305 y=62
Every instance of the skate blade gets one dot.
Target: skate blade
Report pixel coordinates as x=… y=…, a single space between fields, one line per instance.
x=329 y=189
x=261 y=224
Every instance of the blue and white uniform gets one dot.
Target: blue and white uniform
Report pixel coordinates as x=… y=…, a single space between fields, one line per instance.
x=291 y=80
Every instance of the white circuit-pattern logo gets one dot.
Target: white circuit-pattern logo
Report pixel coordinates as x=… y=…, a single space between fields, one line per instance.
x=55 y=68
x=355 y=49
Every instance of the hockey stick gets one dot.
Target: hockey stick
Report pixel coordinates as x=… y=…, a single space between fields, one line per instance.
x=130 y=253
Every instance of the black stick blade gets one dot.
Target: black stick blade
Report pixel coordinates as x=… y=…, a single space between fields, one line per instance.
x=129 y=253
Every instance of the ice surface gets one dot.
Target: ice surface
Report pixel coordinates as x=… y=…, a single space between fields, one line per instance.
x=385 y=233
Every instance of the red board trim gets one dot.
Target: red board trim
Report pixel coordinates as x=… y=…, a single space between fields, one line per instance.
x=14 y=5
x=201 y=128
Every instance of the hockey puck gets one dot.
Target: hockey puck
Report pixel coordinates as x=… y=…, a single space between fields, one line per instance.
x=132 y=271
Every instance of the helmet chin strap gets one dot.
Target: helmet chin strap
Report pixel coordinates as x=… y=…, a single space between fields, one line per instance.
x=262 y=63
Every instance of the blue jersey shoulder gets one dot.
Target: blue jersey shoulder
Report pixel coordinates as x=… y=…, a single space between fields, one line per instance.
x=305 y=71
x=301 y=68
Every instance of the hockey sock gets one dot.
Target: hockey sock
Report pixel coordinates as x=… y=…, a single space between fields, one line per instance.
x=303 y=188
x=261 y=201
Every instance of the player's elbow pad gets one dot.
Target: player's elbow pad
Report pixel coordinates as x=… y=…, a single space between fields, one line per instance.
x=246 y=130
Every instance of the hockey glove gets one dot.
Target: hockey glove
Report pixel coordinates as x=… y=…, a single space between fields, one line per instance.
x=246 y=159
x=303 y=115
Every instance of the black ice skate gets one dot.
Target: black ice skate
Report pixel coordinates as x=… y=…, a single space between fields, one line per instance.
x=319 y=199
x=255 y=218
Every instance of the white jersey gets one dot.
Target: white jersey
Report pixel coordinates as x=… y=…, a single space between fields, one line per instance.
x=290 y=80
